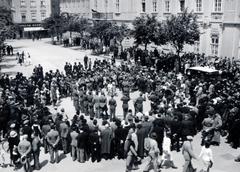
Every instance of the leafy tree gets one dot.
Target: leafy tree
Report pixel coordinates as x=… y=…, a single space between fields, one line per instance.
x=56 y=25
x=122 y=32
x=102 y=30
x=182 y=29
x=7 y=28
x=147 y=30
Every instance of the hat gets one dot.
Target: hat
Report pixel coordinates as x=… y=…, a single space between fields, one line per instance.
x=153 y=135
x=158 y=116
x=24 y=117
x=189 y=138
x=13 y=134
x=13 y=125
x=25 y=122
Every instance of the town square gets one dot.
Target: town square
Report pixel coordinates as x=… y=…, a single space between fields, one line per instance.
x=119 y=85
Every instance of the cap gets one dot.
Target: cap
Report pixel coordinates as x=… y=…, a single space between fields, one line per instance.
x=189 y=138
x=13 y=134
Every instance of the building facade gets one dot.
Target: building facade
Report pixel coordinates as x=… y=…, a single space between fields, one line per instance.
x=219 y=20
x=29 y=14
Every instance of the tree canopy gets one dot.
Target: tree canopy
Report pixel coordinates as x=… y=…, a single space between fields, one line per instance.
x=7 y=28
x=182 y=29
x=147 y=29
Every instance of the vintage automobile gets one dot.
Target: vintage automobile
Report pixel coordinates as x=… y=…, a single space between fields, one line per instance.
x=206 y=73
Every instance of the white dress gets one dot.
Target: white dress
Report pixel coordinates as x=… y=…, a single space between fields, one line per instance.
x=206 y=156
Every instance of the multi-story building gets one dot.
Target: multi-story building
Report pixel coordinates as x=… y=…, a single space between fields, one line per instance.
x=30 y=13
x=219 y=20
x=80 y=7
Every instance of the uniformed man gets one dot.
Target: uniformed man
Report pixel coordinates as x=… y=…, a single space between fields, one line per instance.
x=139 y=103
x=24 y=148
x=94 y=139
x=53 y=140
x=103 y=104
x=90 y=104
x=112 y=104
x=125 y=99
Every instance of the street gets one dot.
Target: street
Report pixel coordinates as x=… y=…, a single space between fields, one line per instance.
x=53 y=57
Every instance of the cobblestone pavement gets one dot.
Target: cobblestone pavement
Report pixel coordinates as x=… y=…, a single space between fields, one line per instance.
x=53 y=57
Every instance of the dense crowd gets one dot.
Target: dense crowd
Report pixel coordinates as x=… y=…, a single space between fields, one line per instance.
x=181 y=106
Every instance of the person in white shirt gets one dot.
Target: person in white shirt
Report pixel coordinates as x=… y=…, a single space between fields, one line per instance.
x=153 y=154
x=167 y=160
x=207 y=157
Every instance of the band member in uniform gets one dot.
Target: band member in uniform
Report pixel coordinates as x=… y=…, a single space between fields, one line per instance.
x=112 y=104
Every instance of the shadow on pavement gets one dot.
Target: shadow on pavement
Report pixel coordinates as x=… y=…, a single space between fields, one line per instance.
x=18 y=47
x=61 y=157
x=6 y=66
x=42 y=164
x=228 y=156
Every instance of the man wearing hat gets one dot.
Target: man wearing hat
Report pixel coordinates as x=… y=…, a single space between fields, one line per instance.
x=188 y=154
x=24 y=148
x=138 y=104
x=13 y=141
x=125 y=99
x=112 y=104
x=27 y=129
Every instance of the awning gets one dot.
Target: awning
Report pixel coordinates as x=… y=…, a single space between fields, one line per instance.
x=27 y=29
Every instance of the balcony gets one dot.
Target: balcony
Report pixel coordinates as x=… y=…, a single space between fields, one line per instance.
x=102 y=16
x=217 y=17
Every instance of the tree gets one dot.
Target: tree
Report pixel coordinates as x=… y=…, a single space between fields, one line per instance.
x=102 y=30
x=147 y=30
x=182 y=29
x=122 y=32
x=7 y=28
x=56 y=25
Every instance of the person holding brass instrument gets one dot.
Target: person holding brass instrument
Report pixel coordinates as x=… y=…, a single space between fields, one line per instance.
x=53 y=139
x=24 y=148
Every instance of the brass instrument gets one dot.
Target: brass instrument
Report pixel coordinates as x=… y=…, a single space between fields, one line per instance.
x=23 y=159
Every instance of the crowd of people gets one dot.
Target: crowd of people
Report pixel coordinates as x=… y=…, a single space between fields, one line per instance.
x=181 y=106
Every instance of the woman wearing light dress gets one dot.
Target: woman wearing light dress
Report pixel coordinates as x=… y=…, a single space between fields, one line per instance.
x=207 y=157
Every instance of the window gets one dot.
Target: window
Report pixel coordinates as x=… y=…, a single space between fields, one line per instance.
x=215 y=45
x=33 y=3
x=22 y=3
x=196 y=46
x=198 y=5
x=34 y=16
x=217 y=5
x=182 y=5
x=96 y=4
x=43 y=3
x=106 y=4
x=154 y=5
x=143 y=6
x=167 y=6
x=117 y=5
x=23 y=16
x=43 y=15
